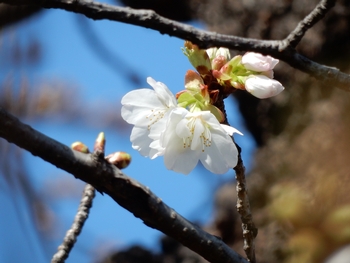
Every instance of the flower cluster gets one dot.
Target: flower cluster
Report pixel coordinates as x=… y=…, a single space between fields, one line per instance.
x=187 y=128
x=182 y=136
x=252 y=72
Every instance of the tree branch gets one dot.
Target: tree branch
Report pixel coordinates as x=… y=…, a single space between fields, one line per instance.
x=243 y=208
x=127 y=192
x=72 y=234
x=309 y=21
x=280 y=49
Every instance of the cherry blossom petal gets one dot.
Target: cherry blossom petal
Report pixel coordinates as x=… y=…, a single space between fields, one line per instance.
x=177 y=155
x=180 y=159
x=145 y=107
x=227 y=150
x=138 y=105
x=164 y=94
x=230 y=130
x=140 y=140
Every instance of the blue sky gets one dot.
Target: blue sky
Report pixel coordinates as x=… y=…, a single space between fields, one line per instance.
x=67 y=57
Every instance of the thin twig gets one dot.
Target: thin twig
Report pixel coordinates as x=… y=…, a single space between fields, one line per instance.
x=243 y=208
x=204 y=39
x=83 y=209
x=309 y=21
x=79 y=220
x=126 y=191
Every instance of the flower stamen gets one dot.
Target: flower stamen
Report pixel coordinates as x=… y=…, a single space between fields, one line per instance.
x=155 y=116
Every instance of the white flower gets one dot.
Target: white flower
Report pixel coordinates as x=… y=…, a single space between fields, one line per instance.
x=192 y=137
x=263 y=87
x=258 y=62
x=147 y=109
x=182 y=137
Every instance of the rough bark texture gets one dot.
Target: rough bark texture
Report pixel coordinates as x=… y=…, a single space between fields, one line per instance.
x=300 y=180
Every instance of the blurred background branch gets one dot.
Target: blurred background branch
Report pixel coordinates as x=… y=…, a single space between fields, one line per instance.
x=10 y=15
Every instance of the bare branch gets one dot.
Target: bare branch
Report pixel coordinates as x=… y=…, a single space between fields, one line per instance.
x=243 y=208
x=85 y=204
x=243 y=205
x=204 y=39
x=127 y=192
x=309 y=21
x=79 y=220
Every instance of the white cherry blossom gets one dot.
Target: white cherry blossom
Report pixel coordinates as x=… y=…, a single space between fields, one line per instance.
x=161 y=128
x=192 y=137
x=147 y=109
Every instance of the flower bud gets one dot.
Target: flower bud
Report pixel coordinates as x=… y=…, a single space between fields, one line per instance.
x=198 y=57
x=193 y=81
x=220 y=76
x=231 y=70
x=218 y=62
x=214 y=52
x=119 y=159
x=80 y=147
x=218 y=57
x=100 y=142
x=263 y=87
x=258 y=62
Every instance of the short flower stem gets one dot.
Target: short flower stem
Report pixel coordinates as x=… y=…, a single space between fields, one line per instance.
x=243 y=208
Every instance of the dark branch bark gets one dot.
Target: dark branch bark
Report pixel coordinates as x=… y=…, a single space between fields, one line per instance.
x=243 y=208
x=149 y=19
x=127 y=192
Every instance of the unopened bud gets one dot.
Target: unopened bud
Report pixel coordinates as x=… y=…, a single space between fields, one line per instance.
x=119 y=159
x=198 y=57
x=218 y=62
x=80 y=147
x=258 y=62
x=100 y=142
x=215 y=52
x=263 y=87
